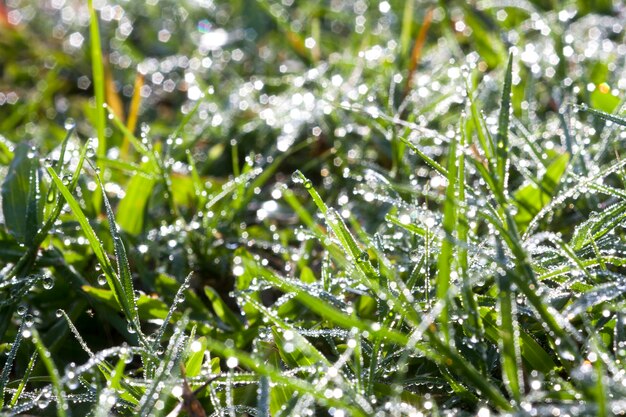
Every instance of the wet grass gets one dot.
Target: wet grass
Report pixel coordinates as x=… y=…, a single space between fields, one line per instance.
x=221 y=210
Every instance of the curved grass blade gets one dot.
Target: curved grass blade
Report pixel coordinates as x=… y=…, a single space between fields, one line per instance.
x=113 y=280
x=168 y=362
x=123 y=267
x=24 y=379
x=6 y=369
x=55 y=378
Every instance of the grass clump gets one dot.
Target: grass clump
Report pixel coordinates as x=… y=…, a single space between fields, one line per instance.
x=424 y=220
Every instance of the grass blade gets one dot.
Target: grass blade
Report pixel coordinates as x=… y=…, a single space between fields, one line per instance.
x=445 y=259
x=55 y=378
x=502 y=139
x=98 y=78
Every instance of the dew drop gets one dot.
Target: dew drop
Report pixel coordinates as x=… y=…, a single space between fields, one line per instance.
x=47 y=282
x=296 y=177
x=102 y=279
x=22 y=309
x=72 y=376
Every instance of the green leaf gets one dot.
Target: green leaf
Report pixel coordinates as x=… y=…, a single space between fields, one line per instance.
x=602 y=99
x=131 y=210
x=22 y=205
x=193 y=365
x=221 y=309
x=531 y=198
x=295 y=350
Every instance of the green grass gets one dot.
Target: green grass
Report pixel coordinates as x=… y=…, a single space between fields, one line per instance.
x=422 y=219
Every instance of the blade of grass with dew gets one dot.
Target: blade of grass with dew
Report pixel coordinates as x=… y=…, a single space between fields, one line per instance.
x=502 y=138
x=446 y=252
x=21 y=202
x=107 y=397
x=59 y=165
x=508 y=340
x=177 y=300
x=598 y=225
x=278 y=377
x=532 y=352
x=152 y=155
x=55 y=378
x=471 y=305
x=130 y=393
x=485 y=143
x=581 y=184
x=98 y=78
x=531 y=198
x=439 y=352
x=96 y=246
x=305 y=353
x=24 y=379
x=263 y=400
x=123 y=267
x=167 y=363
x=127 y=167
x=6 y=369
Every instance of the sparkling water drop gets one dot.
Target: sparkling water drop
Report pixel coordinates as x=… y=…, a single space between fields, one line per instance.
x=47 y=282
x=102 y=279
x=69 y=123
x=296 y=177
x=22 y=309
x=72 y=376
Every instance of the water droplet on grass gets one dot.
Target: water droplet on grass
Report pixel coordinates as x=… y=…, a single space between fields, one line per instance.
x=47 y=282
x=22 y=309
x=297 y=177
x=102 y=279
